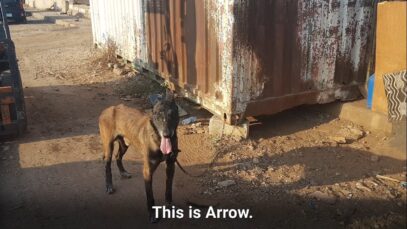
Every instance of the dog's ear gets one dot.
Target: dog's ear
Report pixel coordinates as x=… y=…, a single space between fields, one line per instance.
x=169 y=96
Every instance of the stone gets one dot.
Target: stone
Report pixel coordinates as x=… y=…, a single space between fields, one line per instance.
x=118 y=71
x=339 y=140
x=226 y=183
x=110 y=65
x=130 y=75
x=219 y=128
x=356 y=134
x=256 y=161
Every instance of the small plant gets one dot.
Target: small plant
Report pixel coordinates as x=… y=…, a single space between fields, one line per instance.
x=107 y=55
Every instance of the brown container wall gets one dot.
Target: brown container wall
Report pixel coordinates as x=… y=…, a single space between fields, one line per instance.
x=184 y=49
x=245 y=57
x=182 y=45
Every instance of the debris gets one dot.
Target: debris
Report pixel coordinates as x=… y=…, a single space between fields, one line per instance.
x=153 y=99
x=356 y=133
x=387 y=178
x=373 y=183
x=339 y=140
x=110 y=65
x=403 y=184
x=374 y=158
x=347 y=194
x=324 y=197
x=256 y=161
x=189 y=120
x=226 y=183
x=131 y=74
x=250 y=146
x=362 y=187
x=118 y=71
x=127 y=98
x=200 y=131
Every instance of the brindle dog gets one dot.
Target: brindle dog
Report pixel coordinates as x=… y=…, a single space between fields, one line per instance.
x=156 y=137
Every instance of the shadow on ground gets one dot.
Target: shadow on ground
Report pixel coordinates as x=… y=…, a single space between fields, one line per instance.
x=70 y=193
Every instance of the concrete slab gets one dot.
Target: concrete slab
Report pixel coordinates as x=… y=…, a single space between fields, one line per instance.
x=218 y=127
x=357 y=113
x=55 y=17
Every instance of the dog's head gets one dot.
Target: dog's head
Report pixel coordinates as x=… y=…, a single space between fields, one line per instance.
x=166 y=119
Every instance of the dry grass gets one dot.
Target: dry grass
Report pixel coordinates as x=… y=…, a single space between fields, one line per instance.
x=106 y=55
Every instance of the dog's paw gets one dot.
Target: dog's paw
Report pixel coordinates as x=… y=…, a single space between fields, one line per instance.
x=109 y=189
x=125 y=175
x=154 y=219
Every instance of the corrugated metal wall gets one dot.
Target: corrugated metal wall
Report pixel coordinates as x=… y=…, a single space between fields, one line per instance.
x=123 y=23
x=245 y=57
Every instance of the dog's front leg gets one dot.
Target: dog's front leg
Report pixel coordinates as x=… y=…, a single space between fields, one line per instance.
x=170 y=177
x=148 y=171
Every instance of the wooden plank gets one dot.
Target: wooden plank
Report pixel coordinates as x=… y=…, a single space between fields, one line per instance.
x=6 y=89
x=7 y=100
x=5 y=114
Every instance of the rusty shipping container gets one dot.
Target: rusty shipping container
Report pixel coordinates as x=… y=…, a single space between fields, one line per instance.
x=239 y=58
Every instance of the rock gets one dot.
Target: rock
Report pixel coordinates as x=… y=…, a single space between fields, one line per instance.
x=256 y=161
x=226 y=183
x=200 y=131
x=339 y=140
x=110 y=65
x=118 y=71
x=324 y=197
x=116 y=66
x=270 y=169
x=127 y=98
x=374 y=158
x=356 y=134
x=130 y=74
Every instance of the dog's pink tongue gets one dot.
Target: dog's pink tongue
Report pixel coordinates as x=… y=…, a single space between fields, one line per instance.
x=166 y=147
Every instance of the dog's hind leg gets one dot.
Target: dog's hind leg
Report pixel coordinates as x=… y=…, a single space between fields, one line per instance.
x=108 y=147
x=122 y=150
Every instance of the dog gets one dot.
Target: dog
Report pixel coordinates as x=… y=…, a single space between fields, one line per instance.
x=155 y=136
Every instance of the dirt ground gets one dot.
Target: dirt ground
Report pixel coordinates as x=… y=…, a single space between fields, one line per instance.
x=300 y=169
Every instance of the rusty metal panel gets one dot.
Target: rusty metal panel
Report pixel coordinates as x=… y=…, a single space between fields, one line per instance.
x=290 y=48
x=185 y=50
